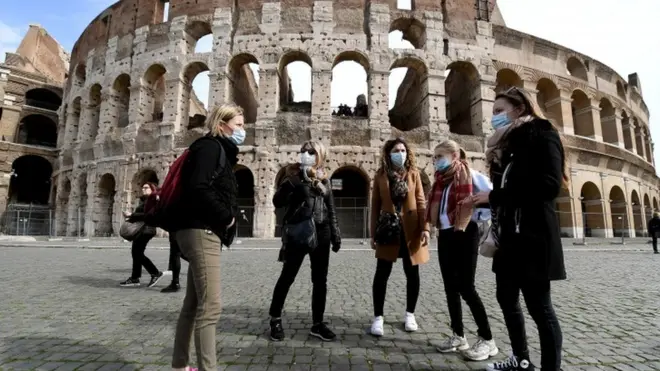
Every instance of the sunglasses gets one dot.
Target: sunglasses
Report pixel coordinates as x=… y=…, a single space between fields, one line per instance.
x=311 y=151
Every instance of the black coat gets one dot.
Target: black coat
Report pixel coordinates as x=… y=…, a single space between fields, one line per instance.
x=138 y=215
x=530 y=240
x=654 y=226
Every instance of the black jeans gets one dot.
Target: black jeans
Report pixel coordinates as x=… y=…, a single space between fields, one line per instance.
x=654 y=237
x=383 y=271
x=319 y=259
x=539 y=305
x=174 y=263
x=457 y=253
x=139 y=259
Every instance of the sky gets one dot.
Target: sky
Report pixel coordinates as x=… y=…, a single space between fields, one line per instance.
x=621 y=34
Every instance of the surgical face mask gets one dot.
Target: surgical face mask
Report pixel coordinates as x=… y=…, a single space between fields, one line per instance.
x=238 y=136
x=307 y=159
x=398 y=159
x=442 y=164
x=500 y=120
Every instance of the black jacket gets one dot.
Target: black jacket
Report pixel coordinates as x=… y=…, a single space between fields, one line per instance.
x=138 y=215
x=302 y=201
x=530 y=240
x=654 y=226
x=209 y=189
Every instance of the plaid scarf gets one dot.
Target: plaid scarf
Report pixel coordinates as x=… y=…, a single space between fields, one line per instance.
x=459 y=176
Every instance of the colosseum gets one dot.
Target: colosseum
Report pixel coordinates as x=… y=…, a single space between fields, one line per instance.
x=128 y=108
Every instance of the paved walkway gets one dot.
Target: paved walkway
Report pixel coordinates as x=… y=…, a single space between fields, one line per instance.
x=62 y=309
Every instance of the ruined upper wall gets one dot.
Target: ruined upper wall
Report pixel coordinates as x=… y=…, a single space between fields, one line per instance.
x=40 y=53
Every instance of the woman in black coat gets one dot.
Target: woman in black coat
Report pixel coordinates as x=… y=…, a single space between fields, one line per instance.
x=528 y=170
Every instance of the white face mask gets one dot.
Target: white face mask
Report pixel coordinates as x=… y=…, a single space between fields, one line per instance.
x=307 y=160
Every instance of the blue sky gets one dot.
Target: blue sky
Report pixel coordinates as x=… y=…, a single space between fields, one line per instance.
x=621 y=34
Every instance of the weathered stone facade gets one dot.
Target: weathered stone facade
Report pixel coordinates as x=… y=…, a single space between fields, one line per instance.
x=128 y=114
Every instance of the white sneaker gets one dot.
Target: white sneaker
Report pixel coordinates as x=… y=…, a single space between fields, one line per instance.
x=377 y=326
x=481 y=350
x=410 y=322
x=453 y=344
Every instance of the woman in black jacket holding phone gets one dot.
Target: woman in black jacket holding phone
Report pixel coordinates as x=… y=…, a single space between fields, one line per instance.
x=526 y=154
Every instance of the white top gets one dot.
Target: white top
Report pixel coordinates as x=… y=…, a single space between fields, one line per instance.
x=480 y=183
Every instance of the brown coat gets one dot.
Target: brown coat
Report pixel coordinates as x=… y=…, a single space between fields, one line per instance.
x=413 y=216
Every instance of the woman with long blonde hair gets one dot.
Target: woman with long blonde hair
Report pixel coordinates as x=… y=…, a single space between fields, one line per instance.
x=528 y=168
x=306 y=195
x=206 y=212
x=398 y=228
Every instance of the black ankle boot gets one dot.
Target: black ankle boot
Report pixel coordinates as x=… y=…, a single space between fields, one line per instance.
x=173 y=287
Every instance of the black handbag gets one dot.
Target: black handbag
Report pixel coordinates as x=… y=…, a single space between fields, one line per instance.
x=388 y=229
x=300 y=235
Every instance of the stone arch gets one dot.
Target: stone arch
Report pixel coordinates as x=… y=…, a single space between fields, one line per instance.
x=638 y=223
x=620 y=90
x=94 y=113
x=412 y=30
x=104 y=208
x=575 y=68
x=121 y=100
x=409 y=109
x=62 y=207
x=244 y=84
x=350 y=69
x=80 y=75
x=549 y=100
x=195 y=31
x=194 y=110
x=581 y=111
x=153 y=82
x=30 y=180
x=608 y=122
x=619 y=207
x=43 y=98
x=38 y=130
x=593 y=216
x=80 y=218
x=639 y=143
x=462 y=93
x=350 y=189
x=507 y=78
x=245 y=198
x=566 y=216
x=648 y=211
x=288 y=101
x=627 y=136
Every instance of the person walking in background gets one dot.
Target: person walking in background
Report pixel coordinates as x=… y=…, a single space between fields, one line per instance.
x=528 y=169
x=398 y=228
x=206 y=209
x=139 y=244
x=458 y=245
x=654 y=229
x=306 y=194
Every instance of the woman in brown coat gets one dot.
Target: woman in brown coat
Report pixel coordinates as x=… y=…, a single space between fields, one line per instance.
x=398 y=228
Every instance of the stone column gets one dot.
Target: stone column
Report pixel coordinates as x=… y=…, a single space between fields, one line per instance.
x=484 y=109
x=566 y=112
x=268 y=100
x=175 y=104
x=264 y=212
x=321 y=89
x=592 y=114
x=438 y=126
x=639 y=141
x=630 y=128
x=619 y=129
x=217 y=88
x=379 y=106
x=92 y=211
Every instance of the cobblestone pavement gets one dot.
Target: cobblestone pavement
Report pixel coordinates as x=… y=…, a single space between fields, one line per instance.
x=62 y=309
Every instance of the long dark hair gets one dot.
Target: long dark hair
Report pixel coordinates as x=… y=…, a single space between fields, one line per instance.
x=386 y=162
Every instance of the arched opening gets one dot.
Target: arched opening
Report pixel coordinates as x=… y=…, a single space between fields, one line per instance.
x=409 y=107
x=94 y=113
x=79 y=218
x=620 y=90
x=608 y=122
x=350 y=189
x=195 y=92
x=349 y=90
x=105 y=199
x=62 y=208
x=655 y=204
x=244 y=84
x=575 y=68
x=295 y=79
x=121 y=95
x=407 y=33
x=638 y=224
x=37 y=130
x=620 y=223
x=141 y=177
x=583 y=122
x=245 y=219
x=154 y=99
x=80 y=75
x=462 y=95
x=627 y=133
x=30 y=180
x=549 y=101
x=506 y=79
x=564 y=206
x=648 y=212
x=43 y=98
x=75 y=108
x=638 y=137
x=199 y=37
x=592 y=211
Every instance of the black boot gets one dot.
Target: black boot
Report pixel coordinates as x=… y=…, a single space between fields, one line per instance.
x=173 y=287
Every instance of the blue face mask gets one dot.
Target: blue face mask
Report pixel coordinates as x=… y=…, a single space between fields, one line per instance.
x=238 y=136
x=442 y=164
x=398 y=159
x=500 y=120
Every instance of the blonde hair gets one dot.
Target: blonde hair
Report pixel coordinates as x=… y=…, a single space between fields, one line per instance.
x=450 y=146
x=321 y=151
x=219 y=116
